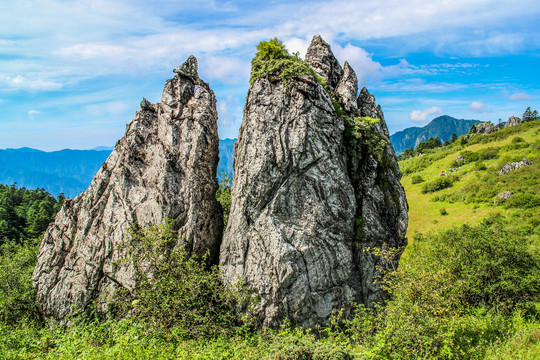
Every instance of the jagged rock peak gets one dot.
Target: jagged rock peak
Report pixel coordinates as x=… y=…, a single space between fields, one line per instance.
x=164 y=167
x=188 y=69
x=320 y=57
x=147 y=105
x=513 y=121
x=305 y=205
x=347 y=89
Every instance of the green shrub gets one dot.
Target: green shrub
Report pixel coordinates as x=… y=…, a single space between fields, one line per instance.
x=362 y=138
x=440 y=183
x=443 y=211
x=273 y=60
x=523 y=201
x=417 y=179
x=17 y=296
x=174 y=289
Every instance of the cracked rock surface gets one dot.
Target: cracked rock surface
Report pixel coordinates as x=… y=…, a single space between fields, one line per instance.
x=304 y=207
x=164 y=167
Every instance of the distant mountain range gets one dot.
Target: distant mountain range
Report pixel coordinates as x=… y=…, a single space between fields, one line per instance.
x=71 y=171
x=442 y=127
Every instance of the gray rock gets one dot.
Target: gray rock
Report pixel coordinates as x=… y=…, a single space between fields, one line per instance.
x=513 y=121
x=164 y=167
x=502 y=197
x=514 y=166
x=147 y=105
x=460 y=158
x=304 y=208
x=485 y=128
x=347 y=89
x=188 y=69
x=322 y=60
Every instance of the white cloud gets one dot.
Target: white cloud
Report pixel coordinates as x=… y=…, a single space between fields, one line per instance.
x=518 y=96
x=366 y=69
x=297 y=45
x=477 y=107
x=228 y=70
x=107 y=108
x=229 y=116
x=422 y=115
x=34 y=112
x=20 y=82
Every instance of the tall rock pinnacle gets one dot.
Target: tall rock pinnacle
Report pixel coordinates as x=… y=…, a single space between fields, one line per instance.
x=308 y=200
x=164 y=167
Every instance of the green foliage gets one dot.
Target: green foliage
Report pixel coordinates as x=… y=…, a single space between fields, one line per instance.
x=431 y=143
x=440 y=183
x=17 y=296
x=363 y=139
x=530 y=115
x=453 y=137
x=223 y=195
x=417 y=179
x=443 y=212
x=25 y=214
x=274 y=61
x=174 y=289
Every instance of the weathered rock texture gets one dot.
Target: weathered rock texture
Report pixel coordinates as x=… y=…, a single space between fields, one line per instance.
x=513 y=121
x=164 y=167
x=502 y=197
x=485 y=128
x=304 y=207
x=514 y=166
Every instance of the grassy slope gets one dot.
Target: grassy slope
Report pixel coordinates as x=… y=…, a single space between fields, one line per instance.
x=424 y=212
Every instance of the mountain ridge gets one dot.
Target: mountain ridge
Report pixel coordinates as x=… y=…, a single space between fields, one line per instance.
x=441 y=127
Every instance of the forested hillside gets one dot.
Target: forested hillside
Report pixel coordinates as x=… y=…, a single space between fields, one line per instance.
x=442 y=127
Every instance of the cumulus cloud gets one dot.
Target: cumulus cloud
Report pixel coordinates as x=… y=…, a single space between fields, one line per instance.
x=34 y=112
x=422 y=115
x=477 y=107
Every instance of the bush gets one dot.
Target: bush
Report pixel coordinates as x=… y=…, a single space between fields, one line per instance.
x=440 y=183
x=17 y=296
x=443 y=211
x=173 y=289
x=417 y=179
x=273 y=60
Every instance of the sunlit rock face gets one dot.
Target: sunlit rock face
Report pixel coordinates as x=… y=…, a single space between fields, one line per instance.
x=305 y=206
x=163 y=168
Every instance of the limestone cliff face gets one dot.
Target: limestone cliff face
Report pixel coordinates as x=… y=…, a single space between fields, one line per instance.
x=305 y=204
x=164 y=167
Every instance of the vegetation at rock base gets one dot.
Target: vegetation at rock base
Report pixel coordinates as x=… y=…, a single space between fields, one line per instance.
x=173 y=288
x=274 y=61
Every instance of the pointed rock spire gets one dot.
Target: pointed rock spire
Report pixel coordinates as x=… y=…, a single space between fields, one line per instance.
x=164 y=167
x=188 y=69
x=320 y=57
x=347 y=89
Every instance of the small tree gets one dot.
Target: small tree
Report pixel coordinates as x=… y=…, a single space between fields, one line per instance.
x=530 y=115
x=453 y=137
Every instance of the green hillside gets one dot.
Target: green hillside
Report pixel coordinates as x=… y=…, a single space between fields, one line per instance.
x=467 y=285
x=476 y=182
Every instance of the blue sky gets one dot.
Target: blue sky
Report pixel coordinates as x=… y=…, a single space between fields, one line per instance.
x=72 y=73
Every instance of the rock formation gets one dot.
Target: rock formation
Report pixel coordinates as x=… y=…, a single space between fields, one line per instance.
x=164 y=167
x=310 y=195
x=513 y=121
x=502 y=197
x=514 y=166
x=485 y=128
